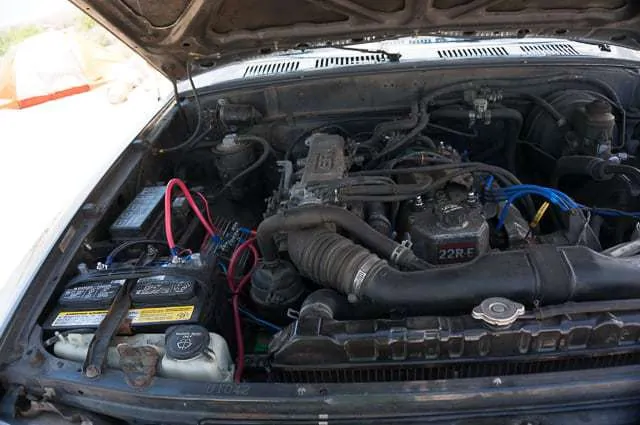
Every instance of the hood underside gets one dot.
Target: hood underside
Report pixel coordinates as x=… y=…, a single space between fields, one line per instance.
x=169 y=33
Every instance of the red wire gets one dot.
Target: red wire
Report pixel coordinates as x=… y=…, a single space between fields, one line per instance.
x=236 y=290
x=207 y=210
x=192 y=204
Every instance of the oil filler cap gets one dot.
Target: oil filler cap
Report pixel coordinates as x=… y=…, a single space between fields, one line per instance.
x=185 y=342
x=498 y=311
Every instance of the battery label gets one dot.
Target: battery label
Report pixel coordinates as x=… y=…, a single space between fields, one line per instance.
x=91 y=293
x=138 y=316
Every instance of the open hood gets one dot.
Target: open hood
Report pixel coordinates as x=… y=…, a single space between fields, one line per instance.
x=170 y=32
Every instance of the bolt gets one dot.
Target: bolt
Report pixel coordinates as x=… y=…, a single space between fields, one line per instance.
x=37 y=360
x=89 y=209
x=91 y=371
x=82 y=268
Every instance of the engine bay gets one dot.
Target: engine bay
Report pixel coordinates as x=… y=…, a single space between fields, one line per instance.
x=478 y=227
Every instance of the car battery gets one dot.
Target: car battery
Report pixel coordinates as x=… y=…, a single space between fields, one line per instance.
x=157 y=302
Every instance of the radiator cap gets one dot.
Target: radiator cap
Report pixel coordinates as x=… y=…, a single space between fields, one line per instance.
x=498 y=311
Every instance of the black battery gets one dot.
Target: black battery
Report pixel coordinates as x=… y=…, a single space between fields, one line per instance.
x=157 y=302
x=166 y=290
x=90 y=296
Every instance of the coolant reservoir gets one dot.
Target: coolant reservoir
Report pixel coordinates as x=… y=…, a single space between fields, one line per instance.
x=186 y=352
x=74 y=346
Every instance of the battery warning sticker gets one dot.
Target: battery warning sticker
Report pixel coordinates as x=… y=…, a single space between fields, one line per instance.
x=138 y=316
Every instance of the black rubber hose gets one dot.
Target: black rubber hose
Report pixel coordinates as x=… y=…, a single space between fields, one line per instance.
x=579 y=165
x=412 y=190
x=596 y=168
x=511 y=115
x=195 y=136
x=126 y=245
x=541 y=274
x=420 y=125
x=377 y=217
x=547 y=312
x=498 y=171
x=314 y=216
x=628 y=170
x=505 y=177
x=517 y=83
x=560 y=119
x=388 y=126
x=325 y=303
x=409 y=189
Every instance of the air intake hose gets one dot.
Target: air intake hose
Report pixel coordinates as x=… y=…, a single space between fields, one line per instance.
x=545 y=274
x=314 y=216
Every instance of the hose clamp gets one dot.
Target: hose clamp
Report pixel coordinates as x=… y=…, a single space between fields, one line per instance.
x=400 y=250
x=362 y=273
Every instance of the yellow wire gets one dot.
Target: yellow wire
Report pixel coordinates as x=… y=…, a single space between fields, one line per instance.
x=539 y=214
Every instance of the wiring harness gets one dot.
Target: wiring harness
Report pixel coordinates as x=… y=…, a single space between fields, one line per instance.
x=555 y=197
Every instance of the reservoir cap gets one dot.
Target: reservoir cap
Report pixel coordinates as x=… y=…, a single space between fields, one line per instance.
x=185 y=342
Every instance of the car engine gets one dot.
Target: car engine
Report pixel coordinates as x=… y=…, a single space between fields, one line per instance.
x=478 y=228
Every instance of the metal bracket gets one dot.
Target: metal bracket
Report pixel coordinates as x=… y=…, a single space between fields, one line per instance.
x=139 y=364
x=99 y=345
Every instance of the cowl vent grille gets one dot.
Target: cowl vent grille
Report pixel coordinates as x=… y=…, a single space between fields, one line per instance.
x=549 y=49
x=271 y=68
x=473 y=52
x=349 y=60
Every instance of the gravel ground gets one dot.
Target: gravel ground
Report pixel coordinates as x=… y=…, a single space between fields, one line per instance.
x=48 y=154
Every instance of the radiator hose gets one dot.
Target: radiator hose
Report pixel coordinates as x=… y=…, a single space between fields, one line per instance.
x=542 y=274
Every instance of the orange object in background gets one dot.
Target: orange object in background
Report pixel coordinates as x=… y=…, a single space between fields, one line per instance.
x=52 y=65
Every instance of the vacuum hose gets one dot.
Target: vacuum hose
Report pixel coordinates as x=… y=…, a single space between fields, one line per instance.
x=539 y=274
